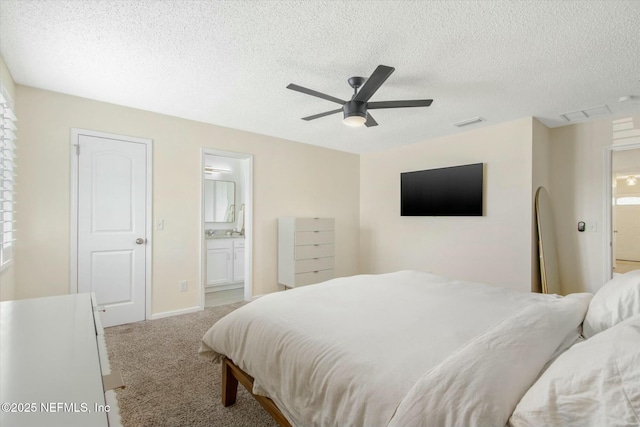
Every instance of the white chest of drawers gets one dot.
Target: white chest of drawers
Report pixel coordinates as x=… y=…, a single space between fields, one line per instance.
x=305 y=250
x=53 y=364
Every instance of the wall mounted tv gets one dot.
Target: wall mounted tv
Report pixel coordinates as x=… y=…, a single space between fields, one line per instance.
x=451 y=191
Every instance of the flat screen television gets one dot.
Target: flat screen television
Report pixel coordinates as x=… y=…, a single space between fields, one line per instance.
x=451 y=191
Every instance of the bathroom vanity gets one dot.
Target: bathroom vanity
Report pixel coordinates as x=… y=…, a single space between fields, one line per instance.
x=225 y=263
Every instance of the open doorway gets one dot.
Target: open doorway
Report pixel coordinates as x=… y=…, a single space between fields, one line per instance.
x=622 y=199
x=226 y=227
x=625 y=210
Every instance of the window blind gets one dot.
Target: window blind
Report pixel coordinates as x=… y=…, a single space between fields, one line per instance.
x=7 y=177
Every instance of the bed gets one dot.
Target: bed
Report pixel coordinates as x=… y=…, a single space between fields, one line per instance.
x=404 y=348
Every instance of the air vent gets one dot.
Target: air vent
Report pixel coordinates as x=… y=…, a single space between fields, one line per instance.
x=600 y=110
x=468 y=122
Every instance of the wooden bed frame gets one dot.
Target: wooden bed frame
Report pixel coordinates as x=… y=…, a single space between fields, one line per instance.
x=231 y=375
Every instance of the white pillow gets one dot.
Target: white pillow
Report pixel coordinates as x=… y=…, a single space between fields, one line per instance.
x=616 y=301
x=594 y=383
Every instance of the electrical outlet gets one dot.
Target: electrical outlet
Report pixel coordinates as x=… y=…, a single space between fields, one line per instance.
x=159 y=224
x=183 y=286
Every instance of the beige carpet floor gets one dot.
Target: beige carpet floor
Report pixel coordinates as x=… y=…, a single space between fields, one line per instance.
x=167 y=383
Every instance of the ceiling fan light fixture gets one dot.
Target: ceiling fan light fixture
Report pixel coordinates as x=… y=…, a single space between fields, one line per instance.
x=355 y=110
x=354 y=120
x=355 y=113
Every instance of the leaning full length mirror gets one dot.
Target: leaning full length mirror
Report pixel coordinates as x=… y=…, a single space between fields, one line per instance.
x=549 y=274
x=219 y=201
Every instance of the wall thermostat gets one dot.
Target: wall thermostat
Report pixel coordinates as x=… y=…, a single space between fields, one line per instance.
x=581 y=226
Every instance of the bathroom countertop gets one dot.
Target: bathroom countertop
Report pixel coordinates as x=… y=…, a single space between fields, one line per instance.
x=225 y=236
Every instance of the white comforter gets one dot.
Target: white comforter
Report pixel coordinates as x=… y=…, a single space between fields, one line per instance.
x=404 y=348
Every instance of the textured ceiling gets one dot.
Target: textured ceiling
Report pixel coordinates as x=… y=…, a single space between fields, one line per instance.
x=228 y=63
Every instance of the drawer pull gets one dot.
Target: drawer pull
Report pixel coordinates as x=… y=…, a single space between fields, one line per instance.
x=317 y=244
x=315 y=272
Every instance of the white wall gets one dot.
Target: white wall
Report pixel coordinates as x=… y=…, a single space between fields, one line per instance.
x=7 y=275
x=541 y=177
x=495 y=248
x=290 y=179
x=577 y=184
x=519 y=156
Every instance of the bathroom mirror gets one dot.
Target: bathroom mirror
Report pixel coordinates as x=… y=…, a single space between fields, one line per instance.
x=549 y=274
x=219 y=201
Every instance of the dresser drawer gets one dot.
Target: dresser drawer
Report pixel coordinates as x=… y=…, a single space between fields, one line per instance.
x=313 y=251
x=313 y=237
x=303 y=279
x=313 y=264
x=314 y=224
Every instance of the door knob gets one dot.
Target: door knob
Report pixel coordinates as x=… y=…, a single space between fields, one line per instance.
x=140 y=241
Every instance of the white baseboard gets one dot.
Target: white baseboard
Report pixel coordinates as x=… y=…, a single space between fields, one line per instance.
x=174 y=313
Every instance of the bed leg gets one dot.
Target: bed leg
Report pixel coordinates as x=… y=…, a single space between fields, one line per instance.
x=229 y=384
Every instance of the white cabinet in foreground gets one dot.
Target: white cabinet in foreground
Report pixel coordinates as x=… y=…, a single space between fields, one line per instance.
x=54 y=365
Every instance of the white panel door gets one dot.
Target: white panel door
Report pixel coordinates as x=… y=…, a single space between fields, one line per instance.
x=112 y=225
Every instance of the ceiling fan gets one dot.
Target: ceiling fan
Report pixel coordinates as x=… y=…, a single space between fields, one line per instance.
x=355 y=111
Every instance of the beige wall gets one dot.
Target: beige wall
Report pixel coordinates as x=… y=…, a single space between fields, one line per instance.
x=495 y=248
x=577 y=193
x=541 y=177
x=361 y=192
x=7 y=276
x=290 y=179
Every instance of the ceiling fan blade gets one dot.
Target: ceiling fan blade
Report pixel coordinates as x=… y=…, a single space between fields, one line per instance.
x=373 y=83
x=399 y=104
x=370 y=121
x=315 y=93
x=317 y=116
